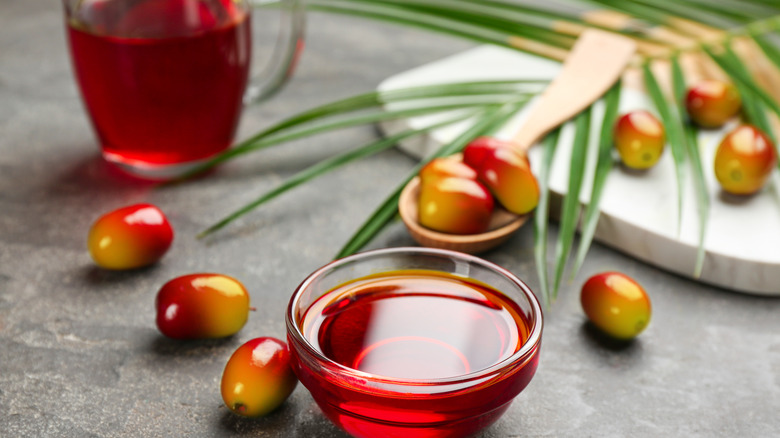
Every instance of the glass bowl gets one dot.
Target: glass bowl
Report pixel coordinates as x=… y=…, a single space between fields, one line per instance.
x=370 y=404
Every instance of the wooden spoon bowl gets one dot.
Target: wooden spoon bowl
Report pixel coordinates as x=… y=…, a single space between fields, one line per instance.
x=502 y=225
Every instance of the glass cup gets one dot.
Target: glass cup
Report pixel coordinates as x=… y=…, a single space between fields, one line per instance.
x=370 y=403
x=164 y=81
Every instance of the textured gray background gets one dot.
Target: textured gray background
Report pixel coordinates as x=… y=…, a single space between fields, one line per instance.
x=80 y=355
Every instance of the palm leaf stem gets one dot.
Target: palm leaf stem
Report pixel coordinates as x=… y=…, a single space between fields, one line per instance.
x=735 y=9
x=577 y=18
x=533 y=30
x=665 y=29
x=520 y=23
x=652 y=36
x=571 y=201
x=389 y=207
x=676 y=43
x=511 y=21
x=542 y=214
x=603 y=167
x=378 y=98
x=508 y=15
x=522 y=36
x=680 y=9
x=538 y=34
x=273 y=135
x=633 y=9
x=477 y=33
x=615 y=20
x=572 y=13
x=329 y=165
x=358 y=120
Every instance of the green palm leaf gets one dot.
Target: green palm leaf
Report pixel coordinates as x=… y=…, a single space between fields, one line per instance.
x=691 y=140
x=671 y=120
x=571 y=201
x=490 y=91
x=755 y=109
x=671 y=26
x=603 y=167
x=329 y=165
x=542 y=213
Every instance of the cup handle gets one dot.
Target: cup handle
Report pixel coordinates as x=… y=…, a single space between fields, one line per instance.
x=285 y=54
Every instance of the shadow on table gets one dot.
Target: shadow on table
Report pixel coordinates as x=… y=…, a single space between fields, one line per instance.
x=599 y=339
x=276 y=421
x=164 y=346
x=92 y=172
x=304 y=417
x=96 y=276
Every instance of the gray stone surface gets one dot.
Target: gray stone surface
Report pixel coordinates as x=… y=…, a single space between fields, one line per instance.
x=79 y=352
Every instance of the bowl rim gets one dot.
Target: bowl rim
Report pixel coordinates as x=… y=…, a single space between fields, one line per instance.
x=518 y=358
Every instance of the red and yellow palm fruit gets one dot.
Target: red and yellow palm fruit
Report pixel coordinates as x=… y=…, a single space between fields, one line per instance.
x=711 y=103
x=479 y=148
x=744 y=160
x=202 y=306
x=506 y=171
x=130 y=237
x=639 y=139
x=258 y=377
x=445 y=167
x=455 y=205
x=616 y=304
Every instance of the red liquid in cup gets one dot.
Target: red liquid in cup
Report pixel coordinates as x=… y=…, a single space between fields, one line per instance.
x=415 y=325
x=163 y=80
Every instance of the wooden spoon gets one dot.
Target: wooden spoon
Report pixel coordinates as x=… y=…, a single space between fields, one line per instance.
x=595 y=62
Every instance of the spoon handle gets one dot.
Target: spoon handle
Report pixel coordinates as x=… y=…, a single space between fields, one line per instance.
x=595 y=63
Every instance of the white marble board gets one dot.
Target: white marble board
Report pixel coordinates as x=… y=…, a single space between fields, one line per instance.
x=638 y=210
